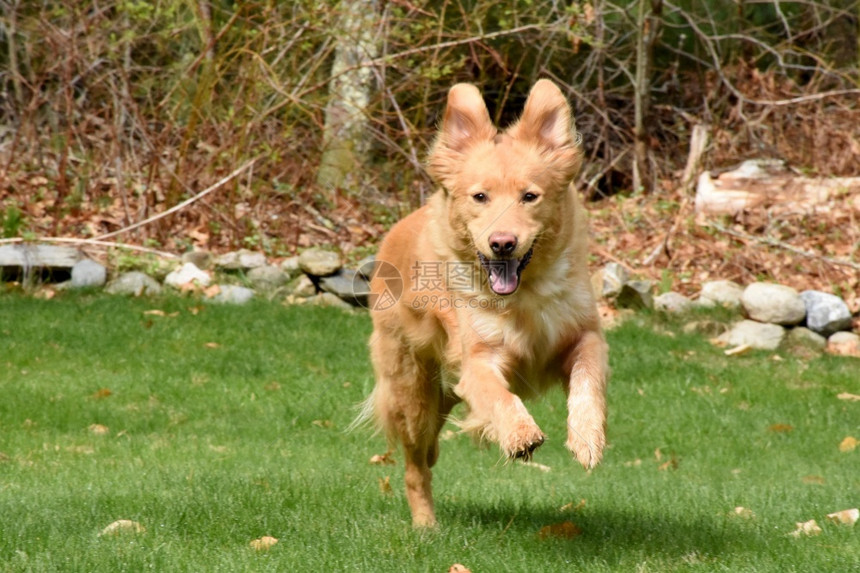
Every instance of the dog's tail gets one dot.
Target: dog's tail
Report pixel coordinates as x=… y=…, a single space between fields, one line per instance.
x=366 y=416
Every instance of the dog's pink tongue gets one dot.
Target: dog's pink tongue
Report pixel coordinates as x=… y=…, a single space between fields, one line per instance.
x=503 y=276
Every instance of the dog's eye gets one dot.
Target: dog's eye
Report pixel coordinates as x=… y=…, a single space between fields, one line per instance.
x=529 y=197
x=480 y=197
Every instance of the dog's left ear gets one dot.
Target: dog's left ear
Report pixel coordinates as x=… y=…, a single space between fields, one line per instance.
x=546 y=120
x=547 y=123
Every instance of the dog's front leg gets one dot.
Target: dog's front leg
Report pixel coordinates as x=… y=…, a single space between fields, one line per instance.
x=494 y=412
x=587 y=368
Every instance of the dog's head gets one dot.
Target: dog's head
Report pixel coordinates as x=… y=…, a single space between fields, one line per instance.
x=504 y=189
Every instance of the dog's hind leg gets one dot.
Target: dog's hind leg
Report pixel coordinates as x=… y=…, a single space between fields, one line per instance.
x=410 y=405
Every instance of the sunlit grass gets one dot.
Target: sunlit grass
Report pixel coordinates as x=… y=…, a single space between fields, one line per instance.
x=225 y=424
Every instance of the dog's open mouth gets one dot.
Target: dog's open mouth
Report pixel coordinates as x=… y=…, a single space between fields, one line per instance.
x=503 y=275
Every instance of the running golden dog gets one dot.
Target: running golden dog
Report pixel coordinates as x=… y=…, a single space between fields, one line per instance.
x=495 y=302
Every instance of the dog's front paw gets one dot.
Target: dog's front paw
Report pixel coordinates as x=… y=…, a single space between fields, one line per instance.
x=586 y=442
x=522 y=440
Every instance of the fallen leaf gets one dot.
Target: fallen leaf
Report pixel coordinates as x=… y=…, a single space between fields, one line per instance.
x=212 y=345
x=848 y=397
x=633 y=464
x=845 y=517
x=808 y=528
x=101 y=393
x=383 y=459
x=563 y=530
x=672 y=463
x=812 y=479
x=538 y=466
x=458 y=568
x=780 y=428
x=212 y=291
x=99 y=429
x=572 y=506
x=744 y=512
x=264 y=543
x=154 y=312
x=743 y=348
x=272 y=387
x=385 y=485
x=122 y=526
x=323 y=423
x=848 y=444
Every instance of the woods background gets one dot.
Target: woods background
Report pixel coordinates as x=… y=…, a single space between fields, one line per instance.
x=112 y=111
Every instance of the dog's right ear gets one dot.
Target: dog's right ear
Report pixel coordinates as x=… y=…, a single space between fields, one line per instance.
x=466 y=122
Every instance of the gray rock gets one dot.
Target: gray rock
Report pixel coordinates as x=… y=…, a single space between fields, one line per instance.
x=134 y=283
x=805 y=338
x=755 y=334
x=844 y=343
x=201 y=259
x=29 y=256
x=302 y=287
x=319 y=263
x=636 y=295
x=88 y=273
x=267 y=277
x=777 y=304
x=608 y=281
x=241 y=260
x=366 y=266
x=186 y=274
x=291 y=268
x=672 y=303
x=722 y=293
x=705 y=327
x=825 y=313
x=232 y=294
x=348 y=285
x=328 y=299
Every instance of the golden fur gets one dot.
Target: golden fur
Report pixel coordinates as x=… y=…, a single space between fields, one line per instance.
x=506 y=199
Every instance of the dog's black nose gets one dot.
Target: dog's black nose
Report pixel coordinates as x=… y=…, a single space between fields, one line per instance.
x=503 y=244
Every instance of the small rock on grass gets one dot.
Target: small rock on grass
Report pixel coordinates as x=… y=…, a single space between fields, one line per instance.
x=232 y=294
x=88 y=273
x=201 y=259
x=243 y=259
x=186 y=274
x=844 y=344
x=608 y=281
x=801 y=340
x=777 y=304
x=825 y=313
x=672 y=303
x=754 y=334
x=267 y=277
x=319 y=263
x=290 y=267
x=722 y=293
x=134 y=283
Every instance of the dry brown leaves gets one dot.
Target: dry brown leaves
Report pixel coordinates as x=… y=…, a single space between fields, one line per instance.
x=563 y=530
x=264 y=543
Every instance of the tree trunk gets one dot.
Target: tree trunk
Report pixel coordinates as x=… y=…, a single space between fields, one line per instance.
x=346 y=139
x=648 y=30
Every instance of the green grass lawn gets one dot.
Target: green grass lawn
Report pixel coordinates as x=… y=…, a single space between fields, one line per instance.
x=220 y=425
